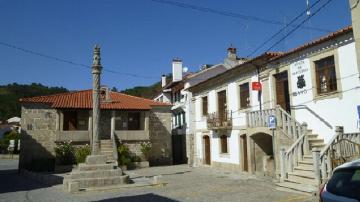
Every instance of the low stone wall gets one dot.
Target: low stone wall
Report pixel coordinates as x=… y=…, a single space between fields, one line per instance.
x=74 y=136
x=133 y=135
x=9 y=156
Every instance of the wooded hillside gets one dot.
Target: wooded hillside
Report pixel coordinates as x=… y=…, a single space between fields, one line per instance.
x=11 y=93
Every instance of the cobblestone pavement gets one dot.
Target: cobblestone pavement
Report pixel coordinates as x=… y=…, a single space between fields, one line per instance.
x=182 y=183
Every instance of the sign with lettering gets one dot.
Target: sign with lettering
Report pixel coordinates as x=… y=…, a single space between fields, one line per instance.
x=301 y=83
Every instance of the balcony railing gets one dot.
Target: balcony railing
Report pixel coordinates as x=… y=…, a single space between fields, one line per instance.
x=222 y=120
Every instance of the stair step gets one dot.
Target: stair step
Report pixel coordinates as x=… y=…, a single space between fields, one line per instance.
x=301 y=180
x=302 y=173
x=316 y=144
x=315 y=140
x=106 y=153
x=304 y=167
x=307 y=161
x=308 y=157
x=298 y=187
x=107 y=149
x=106 y=145
x=85 y=167
x=94 y=174
x=99 y=182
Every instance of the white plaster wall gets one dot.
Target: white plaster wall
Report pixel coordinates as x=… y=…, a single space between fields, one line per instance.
x=200 y=121
x=199 y=145
x=336 y=111
x=212 y=101
x=233 y=149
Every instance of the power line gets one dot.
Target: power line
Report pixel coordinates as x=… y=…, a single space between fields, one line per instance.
x=282 y=29
x=71 y=62
x=298 y=26
x=230 y=14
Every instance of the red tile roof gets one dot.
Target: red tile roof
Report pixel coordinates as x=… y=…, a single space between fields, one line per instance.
x=320 y=40
x=83 y=100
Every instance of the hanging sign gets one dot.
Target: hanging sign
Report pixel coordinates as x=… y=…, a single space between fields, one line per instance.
x=256 y=86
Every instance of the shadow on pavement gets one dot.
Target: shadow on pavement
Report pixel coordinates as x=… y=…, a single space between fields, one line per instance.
x=177 y=173
x=12 y=181
x=143 y=197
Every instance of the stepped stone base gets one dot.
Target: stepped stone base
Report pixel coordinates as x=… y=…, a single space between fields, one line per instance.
x=96 y=172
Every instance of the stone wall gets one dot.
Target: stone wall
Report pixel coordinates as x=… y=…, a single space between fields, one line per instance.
x=160 y=135
x=37 y=137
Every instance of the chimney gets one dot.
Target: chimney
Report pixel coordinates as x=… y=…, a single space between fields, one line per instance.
x=177 y=69
x=231 y=53
x=163 y=80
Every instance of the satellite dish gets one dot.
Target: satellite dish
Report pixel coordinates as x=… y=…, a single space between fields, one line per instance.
x=185 y=69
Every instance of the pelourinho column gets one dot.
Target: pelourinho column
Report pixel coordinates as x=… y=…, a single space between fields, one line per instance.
x=96 y=72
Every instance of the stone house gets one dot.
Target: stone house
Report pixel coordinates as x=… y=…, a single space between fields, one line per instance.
x=47 y=120
x=310 y=90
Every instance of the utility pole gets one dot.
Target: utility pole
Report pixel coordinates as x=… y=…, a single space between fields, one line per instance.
x=96 y=72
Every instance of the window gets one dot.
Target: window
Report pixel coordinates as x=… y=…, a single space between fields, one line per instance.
x=345 y=182
x=325 y=75
x=222 y=107
x=244 y=96
x=70 y=120
x=75 y=120
x=223 y=144
x=184 y=118
x=205 y=106
x=134 y=121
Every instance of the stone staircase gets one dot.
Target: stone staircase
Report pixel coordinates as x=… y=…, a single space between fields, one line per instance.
x=98 y=171
x=296 y=163
x=302 y=178
x=107 y=150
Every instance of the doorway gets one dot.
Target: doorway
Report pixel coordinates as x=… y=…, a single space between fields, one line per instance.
x=244 y=153
x=282 y=90
x=207 y=150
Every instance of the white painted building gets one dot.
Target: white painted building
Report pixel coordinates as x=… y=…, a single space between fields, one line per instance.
x=317 y=84
x=176 y=93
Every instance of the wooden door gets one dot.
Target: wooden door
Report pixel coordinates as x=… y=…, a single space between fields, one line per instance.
x=207 y=151
x=244 y=152
x=222 y=106
x=282 y=91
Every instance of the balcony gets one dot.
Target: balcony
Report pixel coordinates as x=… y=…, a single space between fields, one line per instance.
x=219 y=121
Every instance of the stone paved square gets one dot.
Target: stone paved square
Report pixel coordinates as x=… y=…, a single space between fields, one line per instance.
x=182 y=183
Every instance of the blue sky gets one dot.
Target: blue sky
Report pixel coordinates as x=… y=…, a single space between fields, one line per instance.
x=141 y=36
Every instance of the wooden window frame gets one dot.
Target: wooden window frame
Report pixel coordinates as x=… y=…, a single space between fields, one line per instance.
x=330 y=94
x=205 y=112
x=329 y=72
x=242 y=101
x=222 y=114
x=224 y=146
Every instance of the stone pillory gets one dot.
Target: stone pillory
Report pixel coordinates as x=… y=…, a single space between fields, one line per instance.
x=96 y=71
